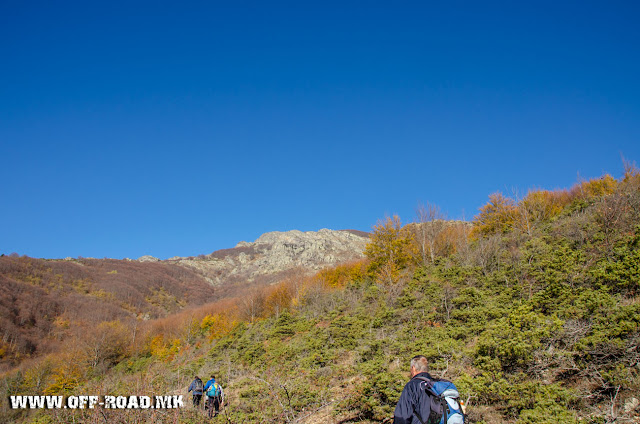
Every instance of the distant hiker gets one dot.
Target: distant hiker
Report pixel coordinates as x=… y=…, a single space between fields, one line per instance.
x=198 y=389
x=215 y=396
x=428 y=400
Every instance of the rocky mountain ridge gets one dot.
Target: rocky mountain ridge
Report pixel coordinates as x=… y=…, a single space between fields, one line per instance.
x=275 y=256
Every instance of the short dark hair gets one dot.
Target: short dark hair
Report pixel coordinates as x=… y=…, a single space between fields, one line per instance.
x=213 y=376
x=420 y=363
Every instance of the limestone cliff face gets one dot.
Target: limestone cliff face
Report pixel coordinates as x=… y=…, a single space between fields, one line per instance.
x=276 y=255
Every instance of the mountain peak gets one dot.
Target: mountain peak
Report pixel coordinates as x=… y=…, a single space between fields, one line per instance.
x=277 y=254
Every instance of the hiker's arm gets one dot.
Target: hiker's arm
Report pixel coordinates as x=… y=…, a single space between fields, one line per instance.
x=404 y=409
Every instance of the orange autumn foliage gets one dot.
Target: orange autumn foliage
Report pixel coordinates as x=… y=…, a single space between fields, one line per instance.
x=278 y=298
x=495 y=217
x=502 y=214
x=596 y=187
x=451 y=238
x=340 y=275
x=217 y=325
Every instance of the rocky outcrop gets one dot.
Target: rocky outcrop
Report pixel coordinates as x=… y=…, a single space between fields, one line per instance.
x=274 y=256
x=148 y=258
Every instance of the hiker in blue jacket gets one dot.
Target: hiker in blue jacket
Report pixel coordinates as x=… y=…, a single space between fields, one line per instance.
x=414 y=405
x=198 y=389
x=213 y=402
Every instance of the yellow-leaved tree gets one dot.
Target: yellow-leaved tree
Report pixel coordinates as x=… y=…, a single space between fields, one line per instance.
x=497 y=216
x=391 y=249
x=217 y=325
x=540 y=206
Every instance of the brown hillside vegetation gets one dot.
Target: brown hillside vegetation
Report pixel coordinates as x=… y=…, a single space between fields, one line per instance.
x=43 y=300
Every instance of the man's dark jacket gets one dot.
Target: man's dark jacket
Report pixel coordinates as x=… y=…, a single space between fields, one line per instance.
x=413 y=398
x=194 y=386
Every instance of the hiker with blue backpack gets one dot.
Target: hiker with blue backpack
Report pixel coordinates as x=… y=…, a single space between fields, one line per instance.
x=428 y=400
x=215 y=396
x=198 y=389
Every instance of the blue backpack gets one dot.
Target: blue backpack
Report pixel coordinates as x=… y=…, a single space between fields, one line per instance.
x=446 y=407
x=214 y=390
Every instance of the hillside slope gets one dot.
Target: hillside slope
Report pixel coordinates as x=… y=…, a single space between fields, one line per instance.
x=45 y=301
x=535 y=314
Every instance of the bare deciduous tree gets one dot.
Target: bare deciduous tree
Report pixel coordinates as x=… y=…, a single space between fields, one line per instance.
x=430 y=223
x=252 y=305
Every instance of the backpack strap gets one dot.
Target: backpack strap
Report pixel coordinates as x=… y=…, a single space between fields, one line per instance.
x=445 y=408
x=417 y=415
x=443 y=402
x=428 y=388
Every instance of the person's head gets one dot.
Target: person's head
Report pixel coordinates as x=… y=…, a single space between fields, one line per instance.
x=419 y=364
x=213 y=377
x=196 y=378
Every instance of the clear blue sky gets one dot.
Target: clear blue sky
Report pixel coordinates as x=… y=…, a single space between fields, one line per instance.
x=179 y=128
